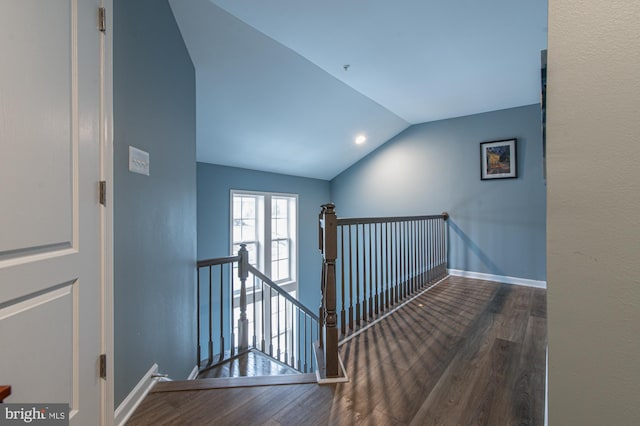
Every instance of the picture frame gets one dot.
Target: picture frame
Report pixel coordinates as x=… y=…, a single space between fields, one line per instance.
x=498 y=159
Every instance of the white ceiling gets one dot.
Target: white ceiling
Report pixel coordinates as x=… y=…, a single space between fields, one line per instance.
x=273 y=95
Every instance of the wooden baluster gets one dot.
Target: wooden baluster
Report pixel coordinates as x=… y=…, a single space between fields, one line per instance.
x=357 y=276
x=416 y=254
x=263 y=315
x=222 y=313
x=387 y=263
x=299 y=323
x=210 y=361
x=343 y=316
x=255 y=318
x=286 y=333
x=330 y=246
x=370 y=276
x=306 y=346
x=350 y=282
x=377 y=263
x=232 y=342
x=364 y=273
x=199 y=354
x=270 y=322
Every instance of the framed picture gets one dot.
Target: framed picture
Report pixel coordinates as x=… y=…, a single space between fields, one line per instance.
x=498 y=159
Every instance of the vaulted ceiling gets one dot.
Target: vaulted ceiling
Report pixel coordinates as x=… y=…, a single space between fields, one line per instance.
x=286 y=85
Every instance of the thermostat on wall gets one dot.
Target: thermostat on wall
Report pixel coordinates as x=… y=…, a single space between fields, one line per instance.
x=138 y=161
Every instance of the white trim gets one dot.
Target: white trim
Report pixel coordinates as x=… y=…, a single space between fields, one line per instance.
x=135 y=397
x=546 y=392
x=371 y=324
x=498 y=278
x=342 y=379
x=106 y=215
x=194 y=373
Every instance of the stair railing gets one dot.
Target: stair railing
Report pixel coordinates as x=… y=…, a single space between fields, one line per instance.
x=376 y=263
x=250 y=313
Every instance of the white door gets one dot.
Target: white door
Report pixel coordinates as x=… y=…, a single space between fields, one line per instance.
x=50 y=303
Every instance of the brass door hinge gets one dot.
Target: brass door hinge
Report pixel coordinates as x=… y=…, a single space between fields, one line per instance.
x=103 y=366
x=103 y=192
x=102 y=19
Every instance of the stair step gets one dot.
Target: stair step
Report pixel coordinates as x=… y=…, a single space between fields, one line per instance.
x=234 y=382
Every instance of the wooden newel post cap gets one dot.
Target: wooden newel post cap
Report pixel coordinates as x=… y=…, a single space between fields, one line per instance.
x=328 y=208
x=445 y=215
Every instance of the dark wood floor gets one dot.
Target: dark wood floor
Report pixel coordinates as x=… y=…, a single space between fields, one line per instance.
x=249 y=364
x=466 y=352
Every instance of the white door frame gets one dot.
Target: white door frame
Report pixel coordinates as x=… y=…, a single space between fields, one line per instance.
x=107 y=408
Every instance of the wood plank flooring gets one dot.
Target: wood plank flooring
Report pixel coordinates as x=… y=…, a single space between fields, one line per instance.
x=248 y=364
x=467 y=352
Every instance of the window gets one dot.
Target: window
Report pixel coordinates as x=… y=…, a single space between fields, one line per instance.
x=266 y=223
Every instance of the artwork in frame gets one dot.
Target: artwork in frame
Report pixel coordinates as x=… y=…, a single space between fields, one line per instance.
x=498 y=159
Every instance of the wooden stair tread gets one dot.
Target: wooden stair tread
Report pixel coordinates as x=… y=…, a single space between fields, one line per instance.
x=5 y=391
x=234 y=382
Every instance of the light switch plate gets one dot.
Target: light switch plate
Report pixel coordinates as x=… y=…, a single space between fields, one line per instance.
x=138 y=161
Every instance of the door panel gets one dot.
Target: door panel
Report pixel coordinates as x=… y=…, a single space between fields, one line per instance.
x=40 y=348
x=50 y=300
x=36 y=107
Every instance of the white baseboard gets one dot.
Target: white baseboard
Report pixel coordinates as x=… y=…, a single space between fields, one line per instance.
x=194 y=373
x=135 y=397
x=344 y=378
x=498 y=278
x=546 y=392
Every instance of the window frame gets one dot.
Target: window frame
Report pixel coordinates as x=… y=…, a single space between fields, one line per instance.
x=264 y=227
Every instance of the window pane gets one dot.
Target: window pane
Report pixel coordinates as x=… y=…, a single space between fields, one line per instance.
x=283 y=249
x=237 y=231
x=280 y=207
x=280 y=228
x=283 y=268
x=249 y=207
x=248 y=230
x=280 y=250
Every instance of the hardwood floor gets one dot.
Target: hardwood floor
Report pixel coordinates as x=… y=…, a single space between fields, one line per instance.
x=466 y=352
x=248 y=364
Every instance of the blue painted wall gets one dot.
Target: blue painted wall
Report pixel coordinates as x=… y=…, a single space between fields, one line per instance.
x=154 y=216
x=496 y=227
x=214 y=188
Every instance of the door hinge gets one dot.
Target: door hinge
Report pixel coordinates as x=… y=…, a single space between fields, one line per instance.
x=103 y=366
x=102 y=19
x=103 y=192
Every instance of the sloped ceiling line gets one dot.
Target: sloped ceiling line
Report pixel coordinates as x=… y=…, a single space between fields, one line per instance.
x=273 y=95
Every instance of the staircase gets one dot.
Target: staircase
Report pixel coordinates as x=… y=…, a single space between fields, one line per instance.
x=370 y=267
x=242 y=314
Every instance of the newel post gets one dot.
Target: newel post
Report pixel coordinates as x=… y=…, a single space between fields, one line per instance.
x=243 y=322
x=329 y=248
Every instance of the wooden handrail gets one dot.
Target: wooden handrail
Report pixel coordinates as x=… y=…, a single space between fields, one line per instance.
x=218 y=261
x=5 y=391
x=366 y=220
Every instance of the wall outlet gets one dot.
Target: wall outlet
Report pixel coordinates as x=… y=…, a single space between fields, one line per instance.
x=138 y=161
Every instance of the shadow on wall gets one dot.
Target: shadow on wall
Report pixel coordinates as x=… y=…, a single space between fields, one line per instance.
x=469 y=247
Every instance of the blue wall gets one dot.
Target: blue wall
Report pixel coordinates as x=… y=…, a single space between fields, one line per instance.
x=496 y=227
x=154 y=216
x=214 y=188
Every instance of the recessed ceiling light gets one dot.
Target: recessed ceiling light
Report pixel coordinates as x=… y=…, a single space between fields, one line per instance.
x=360 y=139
